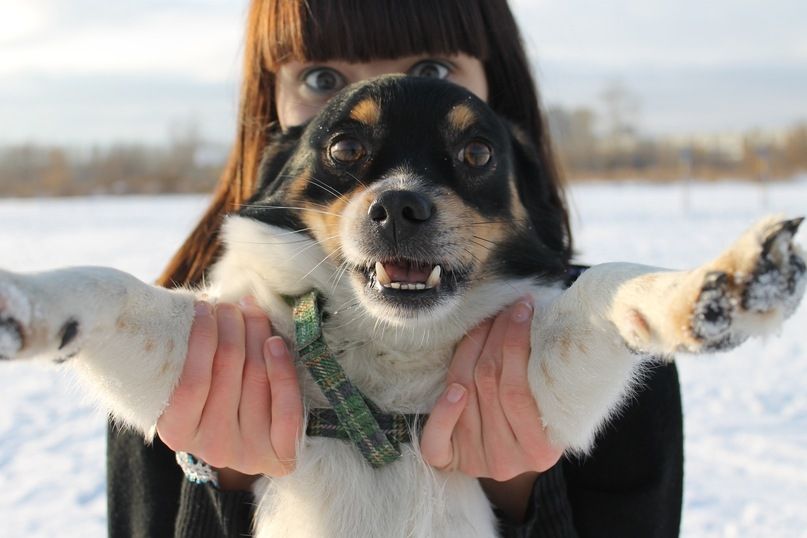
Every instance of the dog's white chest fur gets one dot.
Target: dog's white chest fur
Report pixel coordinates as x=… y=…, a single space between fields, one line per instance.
x=333 y=490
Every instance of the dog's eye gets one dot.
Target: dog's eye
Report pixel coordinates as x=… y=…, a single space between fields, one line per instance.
x=476 y=154
x=347 y=150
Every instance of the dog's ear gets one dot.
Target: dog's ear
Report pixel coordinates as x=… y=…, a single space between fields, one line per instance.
x=538 y=193
x=280 y=146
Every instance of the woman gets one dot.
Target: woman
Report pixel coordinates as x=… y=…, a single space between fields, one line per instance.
x=243 y=415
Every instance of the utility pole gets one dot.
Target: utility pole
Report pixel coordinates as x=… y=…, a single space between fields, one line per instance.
x=686 y=158
x=764 y=156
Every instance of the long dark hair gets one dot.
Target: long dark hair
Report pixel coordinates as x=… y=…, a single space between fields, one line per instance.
x=358 y=31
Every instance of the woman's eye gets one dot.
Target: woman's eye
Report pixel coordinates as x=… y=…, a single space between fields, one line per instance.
x=347 y=151
x=476 y=154
x=324 y=80
x=430 y=69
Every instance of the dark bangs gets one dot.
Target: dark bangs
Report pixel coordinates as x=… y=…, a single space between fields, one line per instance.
x=363 y=30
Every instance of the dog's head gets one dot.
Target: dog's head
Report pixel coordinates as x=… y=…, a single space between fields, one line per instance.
x=417 y=191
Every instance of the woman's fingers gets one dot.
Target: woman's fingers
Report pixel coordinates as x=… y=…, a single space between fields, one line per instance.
x=467 y=353
x=287 y=406
x=517 y=399
x=179 y=422
x=499 y=441
x=218 y=429
x=239 y=400
x=468 y=429
x=496 y=429
x=253 y=410
x=237 y=405
x=436 y=444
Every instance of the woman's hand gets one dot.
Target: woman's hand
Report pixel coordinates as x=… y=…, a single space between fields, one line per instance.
x=237 y=405
x=487 y=423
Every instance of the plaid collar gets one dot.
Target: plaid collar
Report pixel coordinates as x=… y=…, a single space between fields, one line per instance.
x=352 y=415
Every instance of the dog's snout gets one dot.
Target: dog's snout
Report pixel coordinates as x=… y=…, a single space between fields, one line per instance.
x=400 y=211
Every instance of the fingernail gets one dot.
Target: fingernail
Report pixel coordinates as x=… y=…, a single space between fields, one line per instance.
x=277 y=348
x=455 y=393
x=228 y=312
x=202 y=308
x=522 y=311
x=247 y=300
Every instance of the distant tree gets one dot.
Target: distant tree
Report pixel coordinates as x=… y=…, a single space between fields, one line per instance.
x=179 y=166
x=56 y=176
x=573 y=132
x=794 y=150
x=620 y=112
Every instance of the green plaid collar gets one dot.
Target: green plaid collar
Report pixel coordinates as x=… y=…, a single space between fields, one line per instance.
x=352 y=416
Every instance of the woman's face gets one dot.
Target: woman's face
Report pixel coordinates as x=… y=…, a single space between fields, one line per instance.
x=302 y=89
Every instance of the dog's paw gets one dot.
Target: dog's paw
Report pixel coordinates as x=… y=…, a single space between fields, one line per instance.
x=777 y=279
x=11 y=339
x=15 y=317
x=713 y=313
x=26 y=330
x=750 y=289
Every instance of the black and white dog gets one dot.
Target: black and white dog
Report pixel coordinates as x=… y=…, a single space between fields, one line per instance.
x=416 y=213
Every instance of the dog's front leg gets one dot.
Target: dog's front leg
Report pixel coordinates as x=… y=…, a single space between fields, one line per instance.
x=588 y=344
x=126 y=339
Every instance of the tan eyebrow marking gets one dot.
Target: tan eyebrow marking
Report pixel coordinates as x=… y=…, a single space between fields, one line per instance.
x=367 y=112
x=461 y=117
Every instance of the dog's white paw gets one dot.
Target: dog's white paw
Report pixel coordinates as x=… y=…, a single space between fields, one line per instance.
x=750 y=289
x=29 y=329
x=15 y=316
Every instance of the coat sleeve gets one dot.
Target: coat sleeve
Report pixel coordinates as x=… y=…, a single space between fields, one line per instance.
x=630 y=485
x=148 y=495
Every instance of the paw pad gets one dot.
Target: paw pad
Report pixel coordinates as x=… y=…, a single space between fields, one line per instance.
x=713 y=310
x=11 y=339
x=15 y=315
x=68 y=333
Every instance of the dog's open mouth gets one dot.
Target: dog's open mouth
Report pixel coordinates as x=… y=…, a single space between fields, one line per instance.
x=406 y=275
x=403 y=277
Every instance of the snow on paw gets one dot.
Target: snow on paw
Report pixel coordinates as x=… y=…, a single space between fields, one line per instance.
x=713 y=313
x=750 y=289
x=777 y=281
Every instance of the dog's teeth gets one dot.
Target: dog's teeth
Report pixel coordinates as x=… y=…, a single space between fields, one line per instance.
x=385 y=281
x=434 y=277
x=381 y=275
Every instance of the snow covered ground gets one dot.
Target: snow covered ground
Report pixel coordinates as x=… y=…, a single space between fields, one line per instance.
x=746 y=411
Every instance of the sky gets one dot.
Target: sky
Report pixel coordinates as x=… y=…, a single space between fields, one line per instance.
x=82 y=72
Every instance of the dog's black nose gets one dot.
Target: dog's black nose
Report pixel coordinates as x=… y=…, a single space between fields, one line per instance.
x=400 y=212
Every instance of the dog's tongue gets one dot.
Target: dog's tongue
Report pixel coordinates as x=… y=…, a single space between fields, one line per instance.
x=407 y=273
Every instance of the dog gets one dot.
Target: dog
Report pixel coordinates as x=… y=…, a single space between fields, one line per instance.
x=415 y=213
